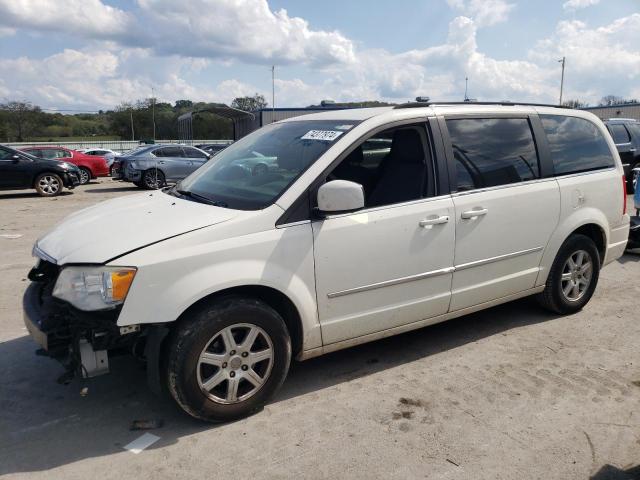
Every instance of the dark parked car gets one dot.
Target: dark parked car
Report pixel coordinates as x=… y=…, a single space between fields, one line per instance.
x=19 y=170
x=626 y=136
x=90 y=166
x=153 y=166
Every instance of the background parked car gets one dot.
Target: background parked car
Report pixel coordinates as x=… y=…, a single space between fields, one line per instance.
x=19 y=170
x=109 y=155
x=153 y=166
x=211 y=148
x=90 y=166
x=626 y=135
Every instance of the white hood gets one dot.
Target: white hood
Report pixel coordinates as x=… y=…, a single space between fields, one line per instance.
x=112 y=228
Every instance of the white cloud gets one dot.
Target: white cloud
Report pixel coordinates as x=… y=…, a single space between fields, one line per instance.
x=86 y=17
x=484 y=12
x=573 y=5
x=246 y=30
x=599 y=60
x=7 y=31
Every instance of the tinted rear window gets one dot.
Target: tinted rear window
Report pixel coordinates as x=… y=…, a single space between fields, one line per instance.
x=576 y=144
x=492 y=151
x=619 y=133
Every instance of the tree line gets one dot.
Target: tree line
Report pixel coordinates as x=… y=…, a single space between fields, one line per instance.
x=22 y=121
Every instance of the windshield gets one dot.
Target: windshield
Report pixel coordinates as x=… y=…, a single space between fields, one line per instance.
x=253 y=172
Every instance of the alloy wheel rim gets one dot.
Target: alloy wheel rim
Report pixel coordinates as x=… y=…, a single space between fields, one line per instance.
x=84 y=176
x=576 y=275
x=153 y=181
x=49 y=184
x=235 y=364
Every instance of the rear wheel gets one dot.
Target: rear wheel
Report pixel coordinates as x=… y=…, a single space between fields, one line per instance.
x=85 y=175
x=228 y=359
x=48 y=184
x=153 y=179
x=573 y=276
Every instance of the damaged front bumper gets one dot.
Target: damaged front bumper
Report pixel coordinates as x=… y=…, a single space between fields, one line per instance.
x=80 y=340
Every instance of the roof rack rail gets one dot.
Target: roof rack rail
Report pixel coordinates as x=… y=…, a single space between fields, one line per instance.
x=502 y=103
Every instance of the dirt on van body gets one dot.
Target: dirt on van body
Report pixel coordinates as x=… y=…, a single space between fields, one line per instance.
x=510 y=392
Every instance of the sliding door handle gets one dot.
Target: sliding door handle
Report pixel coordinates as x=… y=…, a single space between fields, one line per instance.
x=476 y=212
x=434 y=220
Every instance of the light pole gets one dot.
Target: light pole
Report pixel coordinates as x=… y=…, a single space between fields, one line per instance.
x=153 y=112
x=273 y=93
x=466 y=89
x=563 y=61
x=133 y=136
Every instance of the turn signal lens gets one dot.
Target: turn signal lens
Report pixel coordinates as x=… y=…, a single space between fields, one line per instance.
x=120 y=283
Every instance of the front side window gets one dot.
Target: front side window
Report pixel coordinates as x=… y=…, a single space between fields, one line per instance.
x=6 y=154
x=35 y=153
x=50 y=153
x=194 y=153
x=392 y=166
x=619 y=133
x=492 y=151
x=576 y=144
x=253 y=172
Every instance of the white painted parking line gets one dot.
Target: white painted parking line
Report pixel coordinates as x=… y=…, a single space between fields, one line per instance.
x=140 y=443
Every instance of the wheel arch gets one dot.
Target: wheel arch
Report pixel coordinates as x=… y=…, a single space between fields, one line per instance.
x=589 y=222
x=277 y=300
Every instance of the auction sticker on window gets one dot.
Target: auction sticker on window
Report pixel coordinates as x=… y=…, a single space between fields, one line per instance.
x=323 y=135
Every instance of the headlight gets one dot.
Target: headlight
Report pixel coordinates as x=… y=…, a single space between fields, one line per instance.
x=94 y=288
x=133 y=164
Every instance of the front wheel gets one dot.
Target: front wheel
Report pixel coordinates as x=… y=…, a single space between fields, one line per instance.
x=48 y=184
x=573 y=276
x=227 y=359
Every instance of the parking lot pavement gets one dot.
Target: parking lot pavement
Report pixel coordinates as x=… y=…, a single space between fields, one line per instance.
x=511 y=392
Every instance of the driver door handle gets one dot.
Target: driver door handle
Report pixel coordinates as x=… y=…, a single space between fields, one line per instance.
x=434 y=220
x=476 y=212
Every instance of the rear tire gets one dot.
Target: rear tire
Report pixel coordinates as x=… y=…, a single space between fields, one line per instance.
x=153 y=179
x=85 y=175
x=215 y=372
x=573 y=276
x=48 y=185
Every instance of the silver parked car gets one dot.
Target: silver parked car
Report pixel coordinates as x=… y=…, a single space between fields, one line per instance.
x=153 y=166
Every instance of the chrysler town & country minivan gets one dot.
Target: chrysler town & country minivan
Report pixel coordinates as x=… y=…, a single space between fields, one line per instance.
x=371 y=222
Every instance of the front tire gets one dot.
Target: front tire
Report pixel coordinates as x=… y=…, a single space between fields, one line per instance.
x=227 y=359
x=85 y=175
x=48 y=185
x=573 y=276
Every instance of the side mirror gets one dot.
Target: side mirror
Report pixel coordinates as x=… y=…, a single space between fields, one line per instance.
x=340 y=196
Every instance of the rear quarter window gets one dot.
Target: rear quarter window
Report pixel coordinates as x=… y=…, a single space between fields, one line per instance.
x=576 y=144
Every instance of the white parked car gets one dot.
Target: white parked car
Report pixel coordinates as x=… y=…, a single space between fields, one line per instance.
x=109 y=155
x=372 y=222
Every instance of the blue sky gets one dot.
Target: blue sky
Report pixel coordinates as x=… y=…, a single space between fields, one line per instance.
x=91 y=54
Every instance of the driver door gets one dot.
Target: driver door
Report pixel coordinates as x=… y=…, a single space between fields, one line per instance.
x=391 y=263
x=13 y=171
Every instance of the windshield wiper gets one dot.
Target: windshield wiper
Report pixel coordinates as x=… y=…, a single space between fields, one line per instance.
x=201 y=198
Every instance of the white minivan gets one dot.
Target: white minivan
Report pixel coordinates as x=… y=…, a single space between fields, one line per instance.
x=371 y=222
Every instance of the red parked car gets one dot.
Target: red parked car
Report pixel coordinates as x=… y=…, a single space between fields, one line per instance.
x=90 y=166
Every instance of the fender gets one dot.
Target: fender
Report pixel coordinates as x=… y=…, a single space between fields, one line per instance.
x=193 y=267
